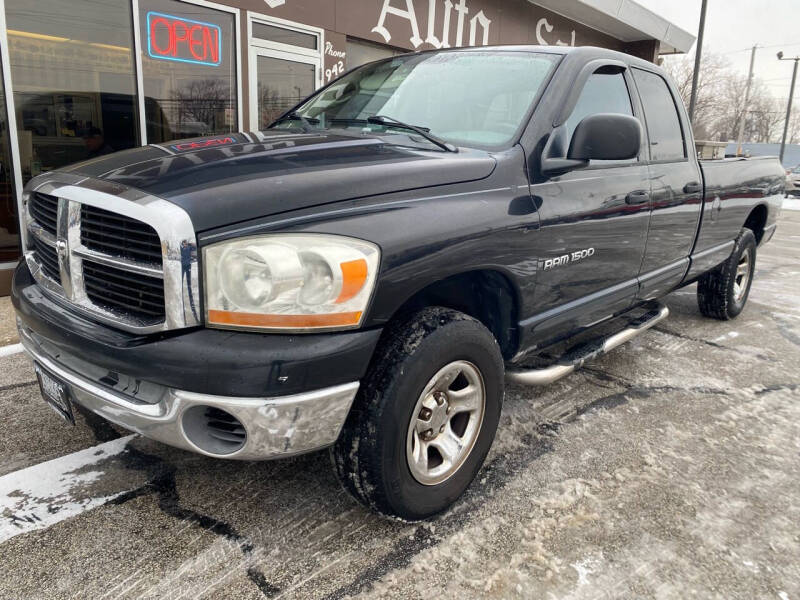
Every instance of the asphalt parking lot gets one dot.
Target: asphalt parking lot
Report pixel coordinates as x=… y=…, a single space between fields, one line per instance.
x=667 y=469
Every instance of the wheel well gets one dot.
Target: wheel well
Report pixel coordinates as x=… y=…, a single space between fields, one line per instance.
x=487 y=296
x=756 y=221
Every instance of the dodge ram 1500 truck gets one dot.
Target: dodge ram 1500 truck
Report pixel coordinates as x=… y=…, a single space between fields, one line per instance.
x=367 y=272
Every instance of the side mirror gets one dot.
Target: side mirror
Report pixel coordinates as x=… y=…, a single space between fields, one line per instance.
x=606 y=136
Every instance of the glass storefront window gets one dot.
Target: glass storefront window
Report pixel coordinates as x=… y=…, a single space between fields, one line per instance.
x=73 y=80
x=188 y=70
x=282 y=35
x=281 y=85
x=360 y=52
x=9 y=224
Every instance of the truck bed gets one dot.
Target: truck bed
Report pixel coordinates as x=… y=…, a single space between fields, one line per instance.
x=733 y=188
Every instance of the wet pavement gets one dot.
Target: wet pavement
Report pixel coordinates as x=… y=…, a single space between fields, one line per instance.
x=669 y=468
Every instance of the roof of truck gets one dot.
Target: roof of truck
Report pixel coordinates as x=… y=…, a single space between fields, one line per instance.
x=590 y=52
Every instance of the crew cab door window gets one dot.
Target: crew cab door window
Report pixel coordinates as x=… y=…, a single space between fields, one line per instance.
x=661 y=114
x=604 y=92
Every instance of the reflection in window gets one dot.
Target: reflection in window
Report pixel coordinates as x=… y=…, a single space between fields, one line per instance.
x=419 y=89
x=605 y=92
x=663 y=124
x=281 y=85
x=189 y=70
x=360 y=52
x=73 y=79
x=9 y=225
x=282 y=35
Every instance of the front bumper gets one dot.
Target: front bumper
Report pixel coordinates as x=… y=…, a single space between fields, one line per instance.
x=290 y=394
x=275 y=427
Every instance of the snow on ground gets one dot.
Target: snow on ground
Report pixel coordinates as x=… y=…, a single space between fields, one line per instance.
x=45 y=494
x=791 y=203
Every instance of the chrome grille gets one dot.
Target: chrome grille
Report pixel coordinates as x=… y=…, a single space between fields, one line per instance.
x=127 y=258
x=48 y=258
x=119 y=290
x=118 y=235
x=44 y=209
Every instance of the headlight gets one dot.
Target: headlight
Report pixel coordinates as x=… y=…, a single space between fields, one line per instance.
x=286 y=282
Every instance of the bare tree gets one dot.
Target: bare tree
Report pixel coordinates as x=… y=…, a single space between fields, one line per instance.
x=202 y=102
x=794 y=125
x=720 y=98
x=712 y=68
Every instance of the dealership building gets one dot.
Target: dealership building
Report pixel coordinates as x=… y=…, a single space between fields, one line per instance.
x=88 y=77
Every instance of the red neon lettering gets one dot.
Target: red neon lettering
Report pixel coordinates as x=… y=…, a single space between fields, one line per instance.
x=186 y=40
x=179 y=38
x=153 y=45
x=211 y=42
x=193 y=43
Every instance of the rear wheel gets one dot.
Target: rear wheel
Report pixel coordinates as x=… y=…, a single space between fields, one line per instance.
x=723 y=292
x=425 y=416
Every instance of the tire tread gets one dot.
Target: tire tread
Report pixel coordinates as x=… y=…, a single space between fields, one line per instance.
x=354 y=457
x=714 y=288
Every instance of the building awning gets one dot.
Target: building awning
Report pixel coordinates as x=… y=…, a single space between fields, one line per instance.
x=625 y=20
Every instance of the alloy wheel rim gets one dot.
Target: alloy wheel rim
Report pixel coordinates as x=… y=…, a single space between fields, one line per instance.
x=445 y=423
x=742 y=277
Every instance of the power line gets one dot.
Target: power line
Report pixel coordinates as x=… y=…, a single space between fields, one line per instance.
x=787 y=45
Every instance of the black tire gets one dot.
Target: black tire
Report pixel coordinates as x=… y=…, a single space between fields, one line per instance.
x=716 y=290
x=370 y=454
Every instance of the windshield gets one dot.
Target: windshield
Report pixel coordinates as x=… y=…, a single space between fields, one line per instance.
x=466 y=98
x=797 y=170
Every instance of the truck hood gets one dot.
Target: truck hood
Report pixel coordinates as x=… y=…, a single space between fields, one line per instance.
x=228 y=179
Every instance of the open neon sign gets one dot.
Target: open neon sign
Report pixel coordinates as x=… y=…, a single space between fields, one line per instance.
x=183 y=40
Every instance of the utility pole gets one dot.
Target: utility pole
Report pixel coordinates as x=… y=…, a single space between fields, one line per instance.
x=796 y=59
x=746 y=101
x=697 y=53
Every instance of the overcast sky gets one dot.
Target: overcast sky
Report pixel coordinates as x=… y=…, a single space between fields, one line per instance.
x=733 y=26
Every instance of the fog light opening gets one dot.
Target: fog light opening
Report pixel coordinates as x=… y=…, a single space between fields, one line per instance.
x=214 y=430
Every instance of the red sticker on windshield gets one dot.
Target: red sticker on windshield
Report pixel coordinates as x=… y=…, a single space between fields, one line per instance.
x=201 y=144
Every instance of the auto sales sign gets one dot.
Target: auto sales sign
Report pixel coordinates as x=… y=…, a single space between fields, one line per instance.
x=183 y=40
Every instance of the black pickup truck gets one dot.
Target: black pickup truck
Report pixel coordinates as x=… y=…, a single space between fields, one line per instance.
x=366 y=273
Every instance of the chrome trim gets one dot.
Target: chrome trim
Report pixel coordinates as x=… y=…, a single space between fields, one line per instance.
x=555 y=372
x=63 y=226
x=42 y=234
x=47 y=284
x=118 y=263
x=172 y=224
x=276 y=427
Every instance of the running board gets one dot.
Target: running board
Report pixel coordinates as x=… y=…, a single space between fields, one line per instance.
x=576 y=359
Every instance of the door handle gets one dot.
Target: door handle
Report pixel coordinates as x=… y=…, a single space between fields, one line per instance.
x=637 y=197
x=692 y=188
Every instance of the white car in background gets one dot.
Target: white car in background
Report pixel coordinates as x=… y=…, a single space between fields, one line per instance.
x=793 y=181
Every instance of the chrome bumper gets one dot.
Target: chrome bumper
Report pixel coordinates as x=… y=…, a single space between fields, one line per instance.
x=275 y=427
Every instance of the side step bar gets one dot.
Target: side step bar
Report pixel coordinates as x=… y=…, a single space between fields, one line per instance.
x=576 y=359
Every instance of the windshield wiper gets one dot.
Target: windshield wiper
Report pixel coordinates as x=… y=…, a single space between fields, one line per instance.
x=295 y=116
x=392 y=122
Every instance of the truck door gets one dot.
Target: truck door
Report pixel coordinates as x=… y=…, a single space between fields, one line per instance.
x=593 y=224
x=676 y=187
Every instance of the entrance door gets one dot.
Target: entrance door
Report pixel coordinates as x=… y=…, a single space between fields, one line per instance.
x=279 y=83
x=285 y=67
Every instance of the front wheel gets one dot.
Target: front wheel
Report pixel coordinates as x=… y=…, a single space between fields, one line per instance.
x=722 y=293
x=425 y=416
